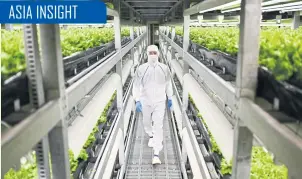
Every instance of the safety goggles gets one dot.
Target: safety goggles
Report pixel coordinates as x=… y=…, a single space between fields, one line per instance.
x=152 y=52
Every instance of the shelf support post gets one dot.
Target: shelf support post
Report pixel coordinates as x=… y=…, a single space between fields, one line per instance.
x=37 y=97
x=296 y=20
x=173 y=33
x=119 y=70
x=246 y=82
x=186 y=39
x=173 y=37
x=132 y=50
x=53 y=76
x=185 y=92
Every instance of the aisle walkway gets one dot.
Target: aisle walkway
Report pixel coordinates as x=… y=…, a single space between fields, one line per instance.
x=140 y=157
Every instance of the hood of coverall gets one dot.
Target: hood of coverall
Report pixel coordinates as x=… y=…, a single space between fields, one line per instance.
x=152 y=59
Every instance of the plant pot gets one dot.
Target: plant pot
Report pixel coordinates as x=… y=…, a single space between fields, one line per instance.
x=213 y=158
x=290 y=101
x=91 y=146
x=17 y=88
x=192 y=108
x=220 y=156
x=99 y=139
x=229 y=62
x=101 y=127
x=217 y=160
x=80 y=169
x=89 y=170
x=227 y=176
x=92 y=159
x=80 y=59
x=111 y=108
x=204 y=132
x=294 y=81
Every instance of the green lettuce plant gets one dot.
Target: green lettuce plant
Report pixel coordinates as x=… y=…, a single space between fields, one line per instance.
x=72 y=40
x=262 y=167
x=280 y=49
x=83 y=155
x=29 y=169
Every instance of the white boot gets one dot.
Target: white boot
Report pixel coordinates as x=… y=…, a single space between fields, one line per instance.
x=156 y=160
x=150 y=143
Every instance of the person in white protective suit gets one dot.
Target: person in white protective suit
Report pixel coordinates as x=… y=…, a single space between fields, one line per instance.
x=152 y=86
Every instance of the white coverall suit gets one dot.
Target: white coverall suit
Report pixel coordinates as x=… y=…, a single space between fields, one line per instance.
x=152 y=84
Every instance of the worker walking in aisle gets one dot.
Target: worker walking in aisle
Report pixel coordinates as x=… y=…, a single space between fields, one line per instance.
x=152 y=86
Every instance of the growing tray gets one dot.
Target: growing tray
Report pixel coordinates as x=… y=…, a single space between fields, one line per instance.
x=14 y=91
x=85 y=168
x=17 y=89
x=209 y=156
x=287 y=93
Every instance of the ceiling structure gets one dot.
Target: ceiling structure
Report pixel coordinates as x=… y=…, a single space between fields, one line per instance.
x=152 y=10
x=161 y=11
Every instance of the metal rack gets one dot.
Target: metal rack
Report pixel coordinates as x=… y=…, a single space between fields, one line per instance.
x=250 y=118
x=47 y=120
x=46 y=126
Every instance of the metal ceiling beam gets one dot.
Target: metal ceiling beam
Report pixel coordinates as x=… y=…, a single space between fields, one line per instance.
x=143 y=6
x=143 y=11
x=173 y=8
x=128 y=5
x=174 y=22
x=175 y=5
x=151 y=14
x=149 y=4
x=129 y=23
x=152 y=7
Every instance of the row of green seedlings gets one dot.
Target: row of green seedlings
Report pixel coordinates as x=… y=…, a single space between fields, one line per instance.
x=83 y=156
x=262 y=163
x=28 y=169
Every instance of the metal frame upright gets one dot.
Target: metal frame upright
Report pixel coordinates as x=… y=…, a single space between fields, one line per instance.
x=37 y=95
x=246 y=83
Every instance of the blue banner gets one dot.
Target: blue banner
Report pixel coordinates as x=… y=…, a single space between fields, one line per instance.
x=53 y=12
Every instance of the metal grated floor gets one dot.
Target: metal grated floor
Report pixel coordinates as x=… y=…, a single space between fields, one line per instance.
x=140 y=157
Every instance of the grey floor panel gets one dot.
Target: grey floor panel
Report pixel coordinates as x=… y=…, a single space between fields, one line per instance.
x=140 y=157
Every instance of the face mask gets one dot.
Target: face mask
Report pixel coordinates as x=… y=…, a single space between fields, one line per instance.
x=152 y=58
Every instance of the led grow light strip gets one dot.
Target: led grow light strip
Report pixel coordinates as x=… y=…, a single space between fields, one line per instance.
x=273 y=2
x=282 y=5
x=271 y=8
x=237 y=2
x=231 y=10
x=282 y=9
x=291 y=10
